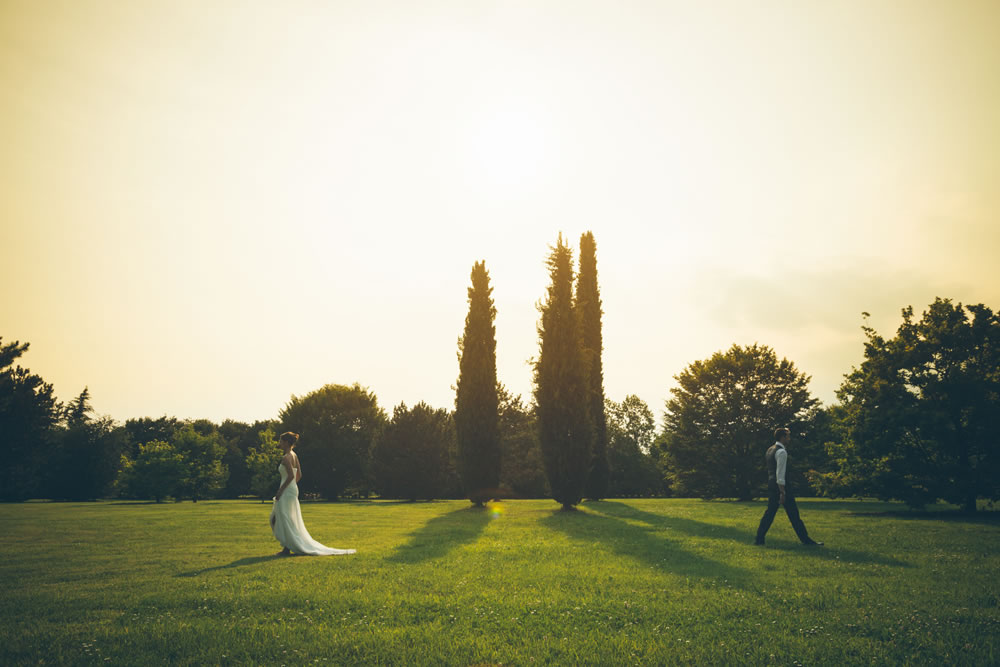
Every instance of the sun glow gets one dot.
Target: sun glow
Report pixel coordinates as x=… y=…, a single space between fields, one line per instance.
x=202 y=175
x=508 y=149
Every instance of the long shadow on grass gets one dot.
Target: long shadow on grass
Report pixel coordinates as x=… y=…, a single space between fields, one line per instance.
x=250 y=560
x=644 y=543
x=893 y=510
x=442 y=534
x=125 y=503
x=728 y=533
x=805 y=506
x=952 y=516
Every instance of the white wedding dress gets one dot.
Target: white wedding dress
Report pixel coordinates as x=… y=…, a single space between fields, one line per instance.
x=287 y=525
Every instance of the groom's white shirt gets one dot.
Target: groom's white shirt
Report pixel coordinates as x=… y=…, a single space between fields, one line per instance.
x=781 y=459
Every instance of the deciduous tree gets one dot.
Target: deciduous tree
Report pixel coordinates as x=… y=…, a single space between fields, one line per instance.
x=412 y=454
x=337 y=425
x=522 y=471
x=262 y=464
x=634 y=469
x=922 y=412
x=721 y=418
x=204 y=472
x=157 y=472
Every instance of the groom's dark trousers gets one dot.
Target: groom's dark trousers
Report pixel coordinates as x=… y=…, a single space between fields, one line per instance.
x=791 y=509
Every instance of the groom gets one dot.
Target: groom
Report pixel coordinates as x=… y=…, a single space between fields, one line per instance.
x=778 y=493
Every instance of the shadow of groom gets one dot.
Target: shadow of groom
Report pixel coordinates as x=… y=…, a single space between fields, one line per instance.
x=720 y=532
x=442 y=534
x=644 y=543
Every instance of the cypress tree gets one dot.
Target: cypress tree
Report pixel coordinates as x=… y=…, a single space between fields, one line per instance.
x=564 y=427
x=477 y=422
x=588 y=304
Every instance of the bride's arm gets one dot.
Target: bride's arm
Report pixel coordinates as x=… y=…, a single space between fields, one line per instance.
x=288 y=480
x=298 y=470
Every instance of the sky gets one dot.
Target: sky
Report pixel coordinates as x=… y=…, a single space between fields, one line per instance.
x=207 y=207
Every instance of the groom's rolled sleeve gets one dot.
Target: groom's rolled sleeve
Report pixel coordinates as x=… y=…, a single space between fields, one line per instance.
x=781 y=458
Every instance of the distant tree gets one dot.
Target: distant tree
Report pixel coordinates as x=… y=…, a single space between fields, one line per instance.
x=238 y=438
x=562 y=393
x=86 y=454
x=721 y=419
x=812 y=462
x=204 y=426
x=157 y=472
x=337 y=426
x=522 y=471
x=411 y=455
x=476 y=402
x=204 y=473
x=77 y=413
x=262 y=463
x=588 y=305
x=634 y=469
x=146 y=429
x=28 y=413
x=921 y=415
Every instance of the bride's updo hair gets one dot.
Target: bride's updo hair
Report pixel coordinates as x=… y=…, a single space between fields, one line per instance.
x=289 y=437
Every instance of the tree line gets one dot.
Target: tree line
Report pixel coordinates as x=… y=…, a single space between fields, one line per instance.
x=353 y=449
x=918 y=421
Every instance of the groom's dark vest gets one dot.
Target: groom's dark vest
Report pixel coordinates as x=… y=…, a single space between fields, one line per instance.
x=772 y=463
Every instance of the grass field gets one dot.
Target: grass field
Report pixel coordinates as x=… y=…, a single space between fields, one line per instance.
x=618 y=582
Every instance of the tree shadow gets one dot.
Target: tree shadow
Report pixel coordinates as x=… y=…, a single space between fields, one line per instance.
x=896 y=510
x=442 y=534
x=118 y=503
x=983 y=517
x=845 y=506
x=720 y=532
x=643 y=543
x=250 y=560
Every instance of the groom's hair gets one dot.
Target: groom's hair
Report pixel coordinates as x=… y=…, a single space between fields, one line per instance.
x=780 y=433
x=289 y=437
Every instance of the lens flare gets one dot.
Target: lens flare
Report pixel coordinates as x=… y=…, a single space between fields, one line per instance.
x=495 y=509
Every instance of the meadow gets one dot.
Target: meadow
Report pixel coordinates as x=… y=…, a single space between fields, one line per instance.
x=650 y=581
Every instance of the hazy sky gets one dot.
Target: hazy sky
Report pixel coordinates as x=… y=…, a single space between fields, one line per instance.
x=207 y=207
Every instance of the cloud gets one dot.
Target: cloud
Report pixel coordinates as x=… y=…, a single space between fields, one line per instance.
x=813 y=315
x=792 y=299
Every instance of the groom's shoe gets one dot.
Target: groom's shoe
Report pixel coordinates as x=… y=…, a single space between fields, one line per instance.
x=758 y=543
x=813 y=543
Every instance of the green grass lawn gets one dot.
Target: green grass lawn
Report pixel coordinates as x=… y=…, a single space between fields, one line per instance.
x=618 y=582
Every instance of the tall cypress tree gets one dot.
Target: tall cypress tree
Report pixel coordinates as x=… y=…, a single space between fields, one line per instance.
x=477 y=422
x=588 y=304
x=564 y=427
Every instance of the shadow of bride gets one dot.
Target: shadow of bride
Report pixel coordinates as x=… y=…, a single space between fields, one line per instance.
x=644 y=543
x=442 y=534
x=719 y=532
x=250 y=560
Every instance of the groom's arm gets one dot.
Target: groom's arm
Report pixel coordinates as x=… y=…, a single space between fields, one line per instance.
x=781 y=458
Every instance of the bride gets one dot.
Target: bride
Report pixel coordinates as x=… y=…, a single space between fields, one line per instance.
x=286 y=515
